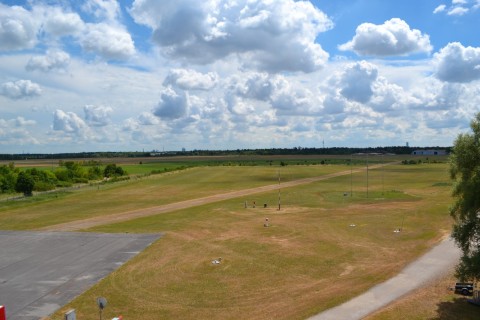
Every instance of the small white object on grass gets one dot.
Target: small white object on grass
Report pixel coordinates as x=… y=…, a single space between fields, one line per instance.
x=266 y=224
x=217 y=261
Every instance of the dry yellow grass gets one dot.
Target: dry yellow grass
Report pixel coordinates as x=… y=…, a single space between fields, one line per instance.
x=308 y=260
x=434 y=301
x=302 y=264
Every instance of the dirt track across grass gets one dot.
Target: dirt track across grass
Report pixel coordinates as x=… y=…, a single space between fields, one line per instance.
x=129 y=215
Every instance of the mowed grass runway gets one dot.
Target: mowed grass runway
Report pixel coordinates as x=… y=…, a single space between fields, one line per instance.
x=308 y=260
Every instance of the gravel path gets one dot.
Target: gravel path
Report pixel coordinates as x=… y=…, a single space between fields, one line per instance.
x=427 y=268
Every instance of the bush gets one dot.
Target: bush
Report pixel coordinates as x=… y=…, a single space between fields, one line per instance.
x=80 y=180
x=25 y=184
x=63 y=175
x=111 y=170
x=94 y=173
x=64 y=184
x=43 y=186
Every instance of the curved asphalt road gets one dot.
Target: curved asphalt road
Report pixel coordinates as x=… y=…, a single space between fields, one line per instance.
x=428 y=267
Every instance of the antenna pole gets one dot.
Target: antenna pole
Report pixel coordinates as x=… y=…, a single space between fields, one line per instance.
x=367 y=175
x=278 y=172
x=383 y=179
x=351 y=176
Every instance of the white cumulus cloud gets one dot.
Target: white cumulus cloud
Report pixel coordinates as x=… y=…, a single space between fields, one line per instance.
x=290 y=99
x=271 y=35
x=457 y=11
x=22 y=122
x=23 y=29
x=69 y=122
x=53 y=60
x=356 y=81
x=103 y=9
x=259 y=86
x=393 y=38
x=18 y=29
x=15 y=131
x=109 y=41
x=97 y=116
x=187 y=79
x=20 y=89
x=173 y=105
x=440 y=8
x=60 y=23
x=456 y=63
x=458 y=7
x=147 y=119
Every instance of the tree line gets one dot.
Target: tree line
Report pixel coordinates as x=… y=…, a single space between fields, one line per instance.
x=14 y=179
x=269 y=151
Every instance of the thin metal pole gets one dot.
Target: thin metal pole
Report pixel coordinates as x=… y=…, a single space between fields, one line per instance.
x=278 y=190
x=383 y=168
x=367 y=175
x=351 y=177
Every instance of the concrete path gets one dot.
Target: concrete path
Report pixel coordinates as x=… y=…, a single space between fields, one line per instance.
x=428 y=267
x=42 y=271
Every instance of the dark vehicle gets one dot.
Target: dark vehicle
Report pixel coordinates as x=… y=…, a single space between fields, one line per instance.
x=465 y=288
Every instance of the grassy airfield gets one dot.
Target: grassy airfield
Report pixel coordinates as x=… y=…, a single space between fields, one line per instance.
x=330 y=241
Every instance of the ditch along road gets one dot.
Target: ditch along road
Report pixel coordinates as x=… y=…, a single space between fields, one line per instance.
x=427 y=268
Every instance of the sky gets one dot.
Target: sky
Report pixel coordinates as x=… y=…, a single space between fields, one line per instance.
x=143 y=75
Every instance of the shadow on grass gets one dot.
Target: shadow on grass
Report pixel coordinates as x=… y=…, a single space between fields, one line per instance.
x=459 y=308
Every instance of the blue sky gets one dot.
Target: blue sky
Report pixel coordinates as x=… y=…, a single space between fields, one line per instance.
x=106 y=75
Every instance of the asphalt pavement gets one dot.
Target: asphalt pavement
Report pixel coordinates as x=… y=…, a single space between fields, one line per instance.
x=42 y=271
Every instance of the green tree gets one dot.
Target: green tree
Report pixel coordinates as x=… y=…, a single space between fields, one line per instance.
x=8 y=179
x=94 y=173
x=25 y=183
x=465 y=170
x=71 y=171
x=44 y=180
x=111 y=170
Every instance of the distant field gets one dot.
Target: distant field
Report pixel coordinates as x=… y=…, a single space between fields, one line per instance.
x=309 y=259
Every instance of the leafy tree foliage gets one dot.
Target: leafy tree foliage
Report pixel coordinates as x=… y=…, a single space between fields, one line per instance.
x=111 y=170
x=70 y=172
x=8 y=178
x=95 y=173
x=25 y=183
x=44 y=180
x=465 y=169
